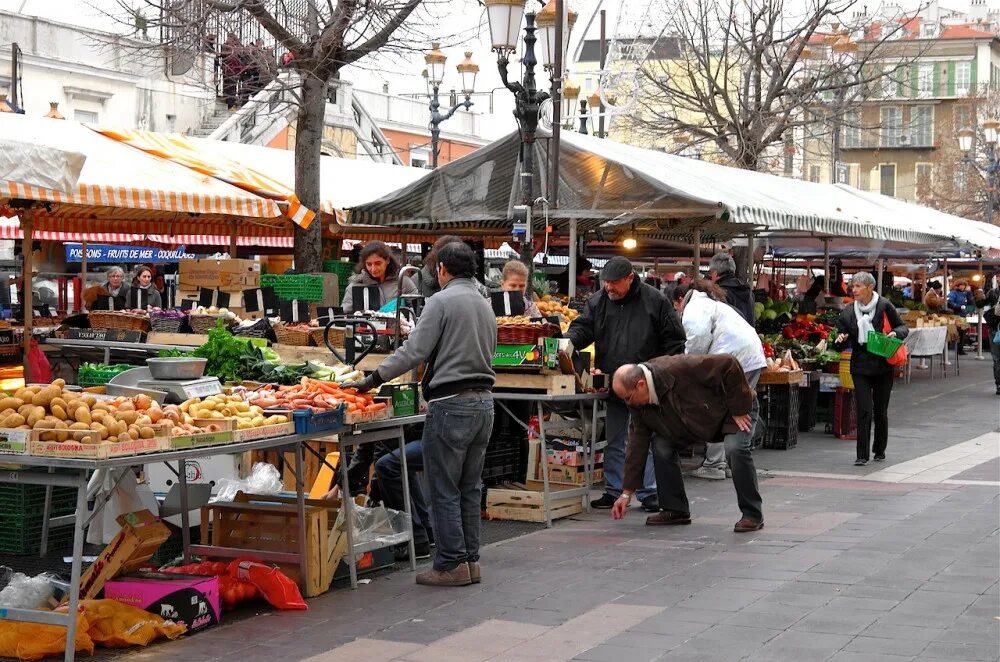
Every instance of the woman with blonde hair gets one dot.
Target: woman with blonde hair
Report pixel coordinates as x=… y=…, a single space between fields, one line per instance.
x=515 y=279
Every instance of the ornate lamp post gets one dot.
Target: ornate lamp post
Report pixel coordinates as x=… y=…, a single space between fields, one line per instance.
x=434 y=74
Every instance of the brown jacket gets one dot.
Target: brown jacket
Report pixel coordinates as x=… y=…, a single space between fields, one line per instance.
x=698 y=397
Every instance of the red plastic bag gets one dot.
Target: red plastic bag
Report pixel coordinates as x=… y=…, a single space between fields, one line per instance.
x=234 y=591
x=280 y=591
x=38 y=365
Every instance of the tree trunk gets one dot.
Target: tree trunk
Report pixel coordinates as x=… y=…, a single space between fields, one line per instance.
x=308 y=140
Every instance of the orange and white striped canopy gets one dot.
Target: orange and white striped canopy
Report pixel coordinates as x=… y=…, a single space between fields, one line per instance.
x=179 y=149
x=121 y=189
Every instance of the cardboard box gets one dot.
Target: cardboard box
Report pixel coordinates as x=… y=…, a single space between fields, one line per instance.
x=518 y=356
x=193 y=601
x=221 y=274
x=563 y=474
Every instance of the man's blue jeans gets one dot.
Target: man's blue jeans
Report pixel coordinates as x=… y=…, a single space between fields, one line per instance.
x=389 y=470
x=456 y=432
x=616 y=431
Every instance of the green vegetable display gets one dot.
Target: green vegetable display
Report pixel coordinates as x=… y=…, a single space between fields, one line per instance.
x=226 y=354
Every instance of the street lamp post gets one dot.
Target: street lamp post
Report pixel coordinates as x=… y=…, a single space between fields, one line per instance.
x=505 y=22
x=990 y=167
x=467 y=71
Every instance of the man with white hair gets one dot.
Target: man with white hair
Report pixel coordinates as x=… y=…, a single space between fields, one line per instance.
x=722 y=271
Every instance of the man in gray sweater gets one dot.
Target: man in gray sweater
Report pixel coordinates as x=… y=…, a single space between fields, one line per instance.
x=455 y=339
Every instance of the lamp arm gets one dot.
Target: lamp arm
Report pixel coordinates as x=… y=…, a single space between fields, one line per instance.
x=462 y=104
x=514 y=87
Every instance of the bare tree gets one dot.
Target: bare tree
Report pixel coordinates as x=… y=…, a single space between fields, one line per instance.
x=747 y=73
x=320 y=37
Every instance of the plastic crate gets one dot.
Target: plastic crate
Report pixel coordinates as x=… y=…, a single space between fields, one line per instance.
x=845 y=415
x=302 y=287
x=808 y=405
x=503 y=460
x=22 y=534
x=882 y=345
x=307 y=421
x=344 y=270
x=21 y=499
x=779 y=409
x=87 y=377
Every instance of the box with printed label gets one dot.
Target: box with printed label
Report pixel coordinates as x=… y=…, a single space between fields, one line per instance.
x=193 y=601
x=221 y=274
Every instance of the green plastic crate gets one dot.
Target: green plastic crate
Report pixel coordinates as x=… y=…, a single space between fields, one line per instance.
x=99 y=377
x=303 y=287
x=882 y=345
x=21 y=499
x=22 y=534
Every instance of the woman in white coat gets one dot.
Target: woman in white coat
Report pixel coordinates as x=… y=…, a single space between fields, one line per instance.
x=712 y=326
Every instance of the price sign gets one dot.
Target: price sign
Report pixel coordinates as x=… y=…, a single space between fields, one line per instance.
x=203 y=389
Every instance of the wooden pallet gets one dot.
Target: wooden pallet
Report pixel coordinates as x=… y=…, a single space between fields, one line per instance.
x=549 y=383
x=141 y=535
x=514 y=501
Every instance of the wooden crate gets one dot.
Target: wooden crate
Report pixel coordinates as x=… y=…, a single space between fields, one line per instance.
x=514 y=501
x=269 y=524
x=548 y=382
x=773 y=377
x=141 y=535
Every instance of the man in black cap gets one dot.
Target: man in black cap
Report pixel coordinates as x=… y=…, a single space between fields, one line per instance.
x=629 y=322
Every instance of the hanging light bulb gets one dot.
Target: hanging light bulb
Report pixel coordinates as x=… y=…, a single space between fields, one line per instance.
x=630 y=242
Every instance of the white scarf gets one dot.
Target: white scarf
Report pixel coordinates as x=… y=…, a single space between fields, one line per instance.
x=864 y=315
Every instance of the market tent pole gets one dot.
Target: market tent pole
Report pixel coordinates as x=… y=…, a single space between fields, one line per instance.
x=83 y=274
x=697 y=252
x=826 y=265
x=945 y=278
x=571 y=278
x=27 y=223
x=878 y=272
x=979 y=313
x=233 y=234
x=749 y=274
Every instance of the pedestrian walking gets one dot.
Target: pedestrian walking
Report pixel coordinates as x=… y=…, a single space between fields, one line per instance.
x=871 y=373
x=722 y=272
x=628 y=322
x=991 y=316
x=674 y=402
x=712 y=326
x=455 y=340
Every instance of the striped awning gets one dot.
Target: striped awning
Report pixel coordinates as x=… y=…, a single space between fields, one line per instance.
x=123 y=190
x=179 y=149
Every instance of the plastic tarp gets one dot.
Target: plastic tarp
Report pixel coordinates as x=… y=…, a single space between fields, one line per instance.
x=612 y=186
x=31 y=159
x=121 y=189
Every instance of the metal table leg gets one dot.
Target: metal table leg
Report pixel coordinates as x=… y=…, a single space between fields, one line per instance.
x=46 y=514
x=407 y=506
x=300 y=511
x=74 y=582
x=185 y=515
x=347 y=503
x=543 y=453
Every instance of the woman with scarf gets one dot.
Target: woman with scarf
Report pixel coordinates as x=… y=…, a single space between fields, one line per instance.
x=143 y=291
x=871 y=373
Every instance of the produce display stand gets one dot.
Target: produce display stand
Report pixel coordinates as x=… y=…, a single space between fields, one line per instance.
x=591 y=407
x=928 y=342
x=74 y=473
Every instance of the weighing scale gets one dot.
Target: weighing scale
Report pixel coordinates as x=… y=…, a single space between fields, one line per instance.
x=179 y=390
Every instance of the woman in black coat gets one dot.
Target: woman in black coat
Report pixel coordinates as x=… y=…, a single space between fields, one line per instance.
x=871 y=373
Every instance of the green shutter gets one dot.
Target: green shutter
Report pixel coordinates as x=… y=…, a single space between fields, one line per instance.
x=951 y=78
x=973 y=85
x=936 y=80
x=914 y=82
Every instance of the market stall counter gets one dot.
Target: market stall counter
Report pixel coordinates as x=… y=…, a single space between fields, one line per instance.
x=590 y=407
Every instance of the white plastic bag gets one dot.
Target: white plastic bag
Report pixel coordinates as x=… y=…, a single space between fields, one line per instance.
x=379 y=525
x=263 y=479
x=27 y=592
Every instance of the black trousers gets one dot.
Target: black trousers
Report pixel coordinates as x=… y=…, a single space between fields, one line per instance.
x=872 y=395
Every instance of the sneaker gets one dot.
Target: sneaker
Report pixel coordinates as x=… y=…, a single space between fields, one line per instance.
x=457 y=576
x=604 y=503
x=860 y=462
x=651 y=504
x=709 y=474
x=880 y=458
x=401 y=552
x=474 y=572
x=668 y=518
x=747 y=524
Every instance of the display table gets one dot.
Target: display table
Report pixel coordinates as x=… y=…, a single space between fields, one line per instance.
x=927 y=342
x=76 y=475
x=590 y=407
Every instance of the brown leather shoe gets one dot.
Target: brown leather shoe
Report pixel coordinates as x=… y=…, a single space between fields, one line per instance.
x=457 y=576
x=474 y=573
x=746 y=525
x=668 y=518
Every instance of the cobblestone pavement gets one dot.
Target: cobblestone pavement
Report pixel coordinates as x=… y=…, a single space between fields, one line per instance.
x=899 y=564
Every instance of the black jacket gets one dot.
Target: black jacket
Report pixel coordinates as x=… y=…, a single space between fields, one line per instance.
x=864 y=362
x=639 y=327
x=738 y=295
x=992 y=319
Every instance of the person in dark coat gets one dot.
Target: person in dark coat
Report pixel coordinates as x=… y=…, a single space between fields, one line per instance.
x=676 y=401
x=628 y=322
x=722 y=271
x=992 y=319
x=871 y=373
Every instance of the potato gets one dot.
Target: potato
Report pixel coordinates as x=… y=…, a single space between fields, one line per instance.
x=59 y=383
x=13 y=421
x=49 y=436
x=82 y=415
x=24 y=394
x=90 y=400
x=133 y=432
x=10 y=403
x=143 y=420
x=100 y=431
x=44 y=397
x=123 y=438
x=128 y=416
x=87 y=439
x=44 y=424
x=79 y=425
x=58 y=412
x=62 y=436
x=100 y=406
x=126 y=406
x=37 y=414
x=146 y=432
x=26 y=409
